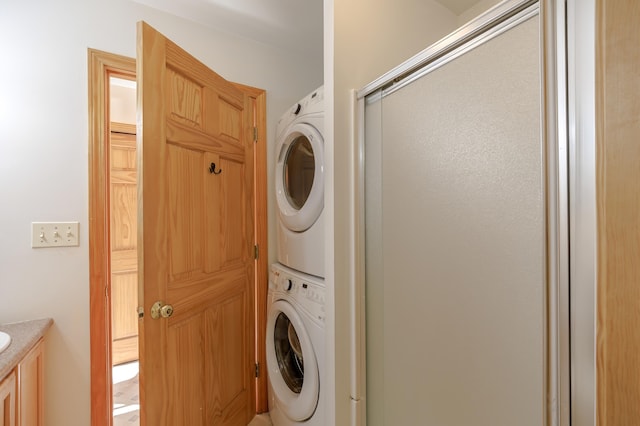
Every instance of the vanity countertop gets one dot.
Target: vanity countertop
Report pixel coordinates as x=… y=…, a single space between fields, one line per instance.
x=24 y=335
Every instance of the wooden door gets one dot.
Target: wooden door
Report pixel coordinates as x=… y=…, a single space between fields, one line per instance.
x=195 y=240
x=123 y=243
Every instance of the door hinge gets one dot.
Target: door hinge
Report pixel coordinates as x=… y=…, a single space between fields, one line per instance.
x=256 y=252
x=255 y=134
x=257 y=369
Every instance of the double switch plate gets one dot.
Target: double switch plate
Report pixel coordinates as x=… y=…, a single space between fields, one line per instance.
x=54 y=234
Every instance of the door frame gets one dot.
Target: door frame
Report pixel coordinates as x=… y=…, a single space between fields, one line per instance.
x=101 y=66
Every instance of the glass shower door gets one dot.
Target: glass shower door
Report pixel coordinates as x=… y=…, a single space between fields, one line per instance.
x=455 y=239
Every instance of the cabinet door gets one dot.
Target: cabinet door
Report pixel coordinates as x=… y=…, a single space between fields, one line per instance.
x=30 y=387
x=8 y=400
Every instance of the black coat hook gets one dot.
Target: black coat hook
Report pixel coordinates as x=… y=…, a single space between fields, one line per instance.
x=212 y=169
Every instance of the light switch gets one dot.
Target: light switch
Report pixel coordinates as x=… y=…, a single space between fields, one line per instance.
x=54 y=234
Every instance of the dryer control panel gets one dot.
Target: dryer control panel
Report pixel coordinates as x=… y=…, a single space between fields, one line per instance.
x=313 y=103
x=306 y=293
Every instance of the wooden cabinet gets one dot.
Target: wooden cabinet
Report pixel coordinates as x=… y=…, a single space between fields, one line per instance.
x=30 y=389
x=8 y=393
x=21 y=373
x=21 y=391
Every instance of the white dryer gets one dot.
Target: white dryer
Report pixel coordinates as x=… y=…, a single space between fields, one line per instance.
x=299 y=185
x=295 y=348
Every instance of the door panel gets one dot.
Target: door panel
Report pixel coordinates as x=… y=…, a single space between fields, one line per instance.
x=196 y=240
x=232 y=215
x=186 y=215
x=185 y=382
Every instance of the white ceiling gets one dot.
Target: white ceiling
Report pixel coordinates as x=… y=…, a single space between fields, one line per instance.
x=288 y=24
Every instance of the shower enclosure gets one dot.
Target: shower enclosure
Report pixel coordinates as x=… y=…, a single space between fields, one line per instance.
x=464 y=201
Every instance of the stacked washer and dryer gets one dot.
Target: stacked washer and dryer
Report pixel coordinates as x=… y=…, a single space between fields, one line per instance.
x=296 y=299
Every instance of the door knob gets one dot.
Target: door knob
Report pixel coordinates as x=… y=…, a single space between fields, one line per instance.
x=159 y=309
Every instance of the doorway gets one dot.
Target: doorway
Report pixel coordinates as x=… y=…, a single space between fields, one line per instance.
x=103 y=67
x=123 y=249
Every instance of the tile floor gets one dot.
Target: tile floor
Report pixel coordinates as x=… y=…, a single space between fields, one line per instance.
x=126 y=402
x=261 y=420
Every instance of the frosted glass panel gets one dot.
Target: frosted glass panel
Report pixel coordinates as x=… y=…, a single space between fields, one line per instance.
x=455 y=242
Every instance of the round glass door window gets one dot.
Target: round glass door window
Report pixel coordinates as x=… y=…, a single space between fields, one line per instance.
x=299 y=177
x=299 y=170
x=289 y=353
x=292 y=364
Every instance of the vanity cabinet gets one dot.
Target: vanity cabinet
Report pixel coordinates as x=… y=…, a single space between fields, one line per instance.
x=8 y=400
x=21 y=373
x=30 y=390
x=21 y=391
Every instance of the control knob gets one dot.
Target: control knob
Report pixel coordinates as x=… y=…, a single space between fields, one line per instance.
x=289 y=284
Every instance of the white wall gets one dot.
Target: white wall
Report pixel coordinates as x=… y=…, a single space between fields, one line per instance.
x=365 y=39
x=476 y=10
x=44 y=156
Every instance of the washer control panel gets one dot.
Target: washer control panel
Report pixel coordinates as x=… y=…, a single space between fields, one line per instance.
x=308 y=294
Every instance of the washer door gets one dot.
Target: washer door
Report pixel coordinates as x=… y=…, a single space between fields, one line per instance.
x=293 y=369
x=300 y=177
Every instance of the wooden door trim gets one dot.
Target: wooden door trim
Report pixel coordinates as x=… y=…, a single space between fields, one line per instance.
x=262 y=263
x=101 y=66
x=618 y=204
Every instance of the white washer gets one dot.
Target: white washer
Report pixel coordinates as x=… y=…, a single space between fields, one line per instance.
x=295 y=347
x=299 y=184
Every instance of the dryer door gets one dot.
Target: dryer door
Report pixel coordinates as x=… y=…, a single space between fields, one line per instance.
x=300 y=177
x=292 y=364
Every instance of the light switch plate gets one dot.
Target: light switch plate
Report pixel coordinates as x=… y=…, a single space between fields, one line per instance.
x=54 y=234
